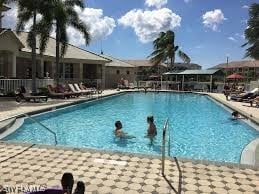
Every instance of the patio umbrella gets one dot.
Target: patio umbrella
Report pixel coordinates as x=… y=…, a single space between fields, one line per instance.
x=235 y=76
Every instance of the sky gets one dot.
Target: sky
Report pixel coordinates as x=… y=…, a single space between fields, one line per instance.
x=208 y=31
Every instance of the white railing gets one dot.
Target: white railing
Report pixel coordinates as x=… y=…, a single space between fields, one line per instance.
x=10 y=85
x=166 y=127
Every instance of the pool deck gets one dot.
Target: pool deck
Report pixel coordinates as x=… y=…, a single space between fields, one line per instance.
x=10 y=108
x=27 y=164
x=23 y=165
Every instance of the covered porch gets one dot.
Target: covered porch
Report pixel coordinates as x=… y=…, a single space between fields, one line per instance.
x=16 y=72
x=77 y=65
x=199 y=80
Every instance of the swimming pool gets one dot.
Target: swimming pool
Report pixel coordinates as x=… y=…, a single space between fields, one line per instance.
x=200 y=128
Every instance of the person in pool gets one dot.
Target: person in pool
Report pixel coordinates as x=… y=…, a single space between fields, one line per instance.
x=119 y=132
x=236 y=115
x=151 y=131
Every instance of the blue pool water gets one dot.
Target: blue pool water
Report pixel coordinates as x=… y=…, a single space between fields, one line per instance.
x=200 y=128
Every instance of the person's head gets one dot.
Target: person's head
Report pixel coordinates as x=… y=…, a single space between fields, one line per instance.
x=235 y=114
x=118 y=125
x=80 y=188
x=67 y=182
x=150 y=119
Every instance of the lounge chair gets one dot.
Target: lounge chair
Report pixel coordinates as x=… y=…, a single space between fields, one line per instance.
x=53 y=92
x=92 y=90
x=72 y=88
x=83 y=91
x=23 y=94
x=62 y=88
x=247 y=95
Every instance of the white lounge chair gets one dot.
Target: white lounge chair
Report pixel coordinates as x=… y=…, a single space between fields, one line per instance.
x=72 y=88
x=83 y=91
x=92 y=90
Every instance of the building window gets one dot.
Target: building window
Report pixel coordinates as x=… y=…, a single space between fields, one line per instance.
x=118 y=72
x=128 y=72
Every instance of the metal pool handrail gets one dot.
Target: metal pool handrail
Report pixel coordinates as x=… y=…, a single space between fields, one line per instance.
x=163 y=144
x=45 y=127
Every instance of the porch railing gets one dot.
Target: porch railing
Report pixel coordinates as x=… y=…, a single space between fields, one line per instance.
x=191 y=85
x=10 y=85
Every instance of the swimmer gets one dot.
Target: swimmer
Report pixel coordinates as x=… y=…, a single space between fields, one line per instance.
x=119 y=132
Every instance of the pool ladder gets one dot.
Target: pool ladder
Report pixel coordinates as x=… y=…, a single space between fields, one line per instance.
x=44 y=126
x=165 y=129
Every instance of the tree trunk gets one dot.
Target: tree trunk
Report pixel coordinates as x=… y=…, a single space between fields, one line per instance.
x=33 y=55
x=172 y=60
x=57 y=53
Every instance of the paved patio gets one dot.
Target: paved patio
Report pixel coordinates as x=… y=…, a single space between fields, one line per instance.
x=115 y=173
x=10 y=108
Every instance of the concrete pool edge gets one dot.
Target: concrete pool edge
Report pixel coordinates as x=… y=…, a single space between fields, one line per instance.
x=61 y=105
x=248 y=154
x=94 y=151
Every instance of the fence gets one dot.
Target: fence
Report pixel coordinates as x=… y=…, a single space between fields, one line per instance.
x=191 y=86
x=10 y=85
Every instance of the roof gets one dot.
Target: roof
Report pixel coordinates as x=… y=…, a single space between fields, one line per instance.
x=4 y=8
x=237 y=64
x=73 y=52
x=13 y=35
x=195 y=72
x=116 y=62
x=142 y=63
x=187 y=65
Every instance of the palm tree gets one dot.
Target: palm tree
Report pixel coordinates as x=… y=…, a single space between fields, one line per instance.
x=252 y=32
x=165 y=48
x=27 y=10
x=61 y=15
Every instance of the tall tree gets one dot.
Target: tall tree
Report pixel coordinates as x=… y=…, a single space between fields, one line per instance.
x=62 y=14
x=252 y=32
x=165 y=49
x=28 y=10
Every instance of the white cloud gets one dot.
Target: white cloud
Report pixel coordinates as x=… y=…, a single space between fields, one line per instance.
x=212 y=19
x=232 y=39
x=148 y=24
x=9 y=20
x=155 y=3
x=100 y=26
x=245 y=7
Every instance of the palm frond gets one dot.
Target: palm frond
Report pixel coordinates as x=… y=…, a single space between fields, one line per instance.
x=252 y=32
x=72 y=3
x=23 y=17
x=184 y=56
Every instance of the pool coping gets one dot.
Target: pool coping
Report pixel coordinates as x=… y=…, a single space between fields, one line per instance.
x=247 y=154
x=171 y=158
